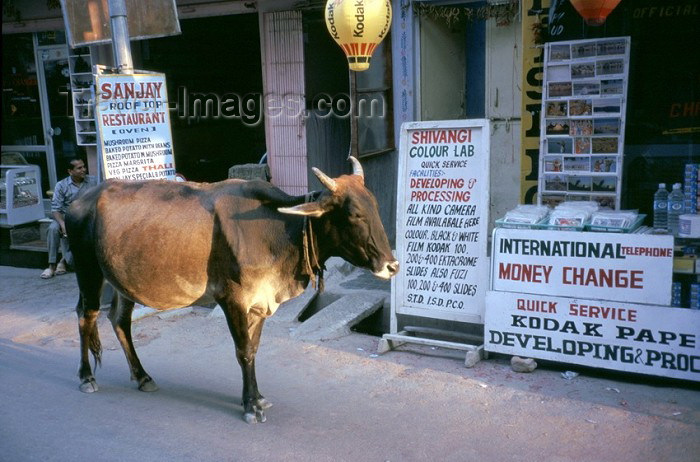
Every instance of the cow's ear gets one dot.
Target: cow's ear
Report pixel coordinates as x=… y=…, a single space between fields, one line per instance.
x=310 y=209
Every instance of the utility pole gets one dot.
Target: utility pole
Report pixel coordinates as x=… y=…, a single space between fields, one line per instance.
x=120 y=36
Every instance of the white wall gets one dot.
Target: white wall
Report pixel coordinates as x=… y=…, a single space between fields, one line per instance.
x=442 y=69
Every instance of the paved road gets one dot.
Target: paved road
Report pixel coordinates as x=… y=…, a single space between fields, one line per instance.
x=333 y=400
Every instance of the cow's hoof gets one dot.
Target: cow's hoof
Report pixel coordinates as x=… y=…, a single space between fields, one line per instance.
x=256 y=416
x=148 y=384
x=262 y=403
x=89 y=386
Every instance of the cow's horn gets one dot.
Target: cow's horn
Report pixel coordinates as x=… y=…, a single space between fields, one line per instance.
x=356 y=167
x=327 y=181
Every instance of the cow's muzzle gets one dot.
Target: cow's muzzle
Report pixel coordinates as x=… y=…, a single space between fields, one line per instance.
x=390 y=269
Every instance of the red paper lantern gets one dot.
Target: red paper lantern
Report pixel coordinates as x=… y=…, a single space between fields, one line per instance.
x=594 y=12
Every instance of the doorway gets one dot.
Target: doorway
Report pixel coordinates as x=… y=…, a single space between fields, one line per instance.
x=37 y=114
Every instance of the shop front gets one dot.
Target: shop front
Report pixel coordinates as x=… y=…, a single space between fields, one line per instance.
x=247 y=82
x=600 y=271
x=48 y=113
x=591 y=298
x=580 y=272
x=37 y=117
x=48 y=104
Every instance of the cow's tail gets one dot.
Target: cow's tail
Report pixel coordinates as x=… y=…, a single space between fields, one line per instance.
x=96 y=348
x=89 y=331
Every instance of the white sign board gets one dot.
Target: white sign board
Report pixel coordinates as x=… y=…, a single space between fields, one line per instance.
x=636 y=268
x=442 y=220
x=656 y=340
x=134 y=126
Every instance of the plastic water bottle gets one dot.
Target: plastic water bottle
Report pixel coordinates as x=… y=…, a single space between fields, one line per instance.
x=675 y=208
x=661 y=207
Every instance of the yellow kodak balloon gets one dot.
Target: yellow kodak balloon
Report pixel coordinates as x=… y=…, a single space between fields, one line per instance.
x=358 y=26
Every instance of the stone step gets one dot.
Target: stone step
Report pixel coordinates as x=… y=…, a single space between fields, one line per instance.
x=336 y=319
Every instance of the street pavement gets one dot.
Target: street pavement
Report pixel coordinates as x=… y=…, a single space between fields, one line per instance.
x=334 y=399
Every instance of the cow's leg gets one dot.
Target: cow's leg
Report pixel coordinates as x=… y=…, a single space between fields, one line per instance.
x=120 y=315
x=246 y=329
x=88 y=309
x=255 y=326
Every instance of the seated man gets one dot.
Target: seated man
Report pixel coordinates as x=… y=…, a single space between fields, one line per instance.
x=65 y=192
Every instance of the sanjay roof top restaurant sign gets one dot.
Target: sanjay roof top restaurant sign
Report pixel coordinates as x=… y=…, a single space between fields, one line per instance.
x=134 y=126
x=442 y=220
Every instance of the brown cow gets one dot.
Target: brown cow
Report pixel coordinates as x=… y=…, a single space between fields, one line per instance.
x=245 y=244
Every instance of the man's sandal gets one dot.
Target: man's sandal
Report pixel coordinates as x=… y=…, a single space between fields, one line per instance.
x=47 y=274
x=61 y=268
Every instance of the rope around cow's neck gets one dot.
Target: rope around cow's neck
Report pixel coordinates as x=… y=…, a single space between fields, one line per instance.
x=313 y=267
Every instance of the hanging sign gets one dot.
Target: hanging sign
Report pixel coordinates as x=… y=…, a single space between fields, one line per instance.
x=647 y=339
x=358 y=26
x=88 y=22
x=442 y=220
x=134 y=126
x=607 y=266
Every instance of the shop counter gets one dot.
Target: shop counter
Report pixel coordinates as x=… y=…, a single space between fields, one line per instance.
x=594 y=299
x=20 y=194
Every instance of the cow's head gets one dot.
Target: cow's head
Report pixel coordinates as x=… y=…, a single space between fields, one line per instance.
x=352 y=222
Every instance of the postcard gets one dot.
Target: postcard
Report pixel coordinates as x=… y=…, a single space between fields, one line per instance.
x=577 y=164
x=552 y=164
x=583 y=50
x=560 y=146
x=611 y=87
x=555 y=182
x=605 y=201
x=612 y=47
x=552 y=200
x=606 y=106
x=579 y=183
x=605 y=184
x=580 y=107
x=559 y=52
x=583 y=70
x=581 y=127
x=586 y=88
x=556 y=109
x=557 y=89
x=605 y=145
x=608 y=67
x=557 y=127
x=604 y=164
x=582 y=145
x=606 y=126
x=577 y=197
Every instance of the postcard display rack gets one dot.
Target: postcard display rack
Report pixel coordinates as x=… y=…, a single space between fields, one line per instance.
x=82 y=90
x=583 y=121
